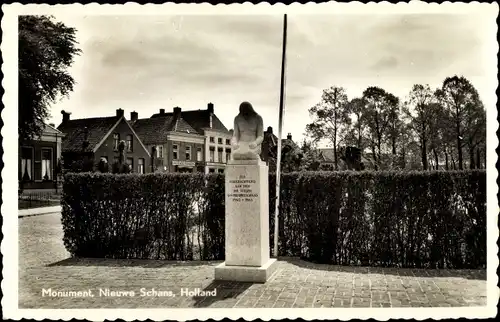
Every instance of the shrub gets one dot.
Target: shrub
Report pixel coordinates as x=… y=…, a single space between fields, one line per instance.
x=399 y=219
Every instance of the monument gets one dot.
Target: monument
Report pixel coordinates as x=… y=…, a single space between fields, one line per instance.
x=247 y=204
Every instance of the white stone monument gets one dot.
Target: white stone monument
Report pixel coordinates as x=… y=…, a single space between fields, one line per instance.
x=247 y=205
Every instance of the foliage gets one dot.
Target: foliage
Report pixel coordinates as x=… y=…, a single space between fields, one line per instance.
x=330 y=118
x=432 y=129
x=400 y=219
x=46 y=51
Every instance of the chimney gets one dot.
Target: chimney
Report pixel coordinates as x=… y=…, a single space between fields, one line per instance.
x=210 y=107
x=289 y=136
x=65 y=115
x=177 y=112
x=119 y=112
x=134 y=116
x=162 y=111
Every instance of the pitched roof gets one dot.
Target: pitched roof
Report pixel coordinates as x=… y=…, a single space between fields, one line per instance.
x=327 y=154
x=156 y=129
x=199 y=120
x=74 y=131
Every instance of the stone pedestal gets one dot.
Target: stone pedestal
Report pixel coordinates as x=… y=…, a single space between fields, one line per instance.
x=247 y=223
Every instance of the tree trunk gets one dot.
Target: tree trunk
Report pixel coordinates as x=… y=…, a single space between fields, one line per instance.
x=472 y=163
x=335 y=157
x=424 y=154
x=447 y=167
x=454 y=165
x=459 y=146
x=375 y=163
x=436 y=159
x=478 y=158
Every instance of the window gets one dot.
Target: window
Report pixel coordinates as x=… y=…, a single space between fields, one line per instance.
x=188 y=153
x=228 y=155
x=199 y=154
x=116 y=159
x=159 y=151
x=221 y=170
x=228 y=142
x=211 y=170
x=26 y=163
x=219 y=140
x=140 y=165
x=129 y=143
x=219 y=154
x=130 y=163
x=175 y=148
x=116 y=141
x=212 y=154
x=46 y=164
x=212 y=139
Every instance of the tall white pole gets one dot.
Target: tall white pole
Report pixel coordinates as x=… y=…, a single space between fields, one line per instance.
x=278 y=158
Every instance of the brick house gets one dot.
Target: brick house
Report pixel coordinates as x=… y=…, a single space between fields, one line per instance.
x=270 y=149
x=91 y=139
x=39 y=158
x=177 y=147
x=216 y=138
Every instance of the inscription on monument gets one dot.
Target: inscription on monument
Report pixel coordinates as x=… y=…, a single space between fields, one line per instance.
x=242 y=189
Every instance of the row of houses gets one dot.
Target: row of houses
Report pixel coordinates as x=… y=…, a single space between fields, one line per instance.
x=176 y=141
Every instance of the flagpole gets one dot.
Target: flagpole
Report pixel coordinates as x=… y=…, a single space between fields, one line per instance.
x=278 y=158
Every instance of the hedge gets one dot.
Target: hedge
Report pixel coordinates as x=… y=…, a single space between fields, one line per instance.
x=399 y=219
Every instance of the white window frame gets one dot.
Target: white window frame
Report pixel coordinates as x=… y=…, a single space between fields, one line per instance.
x=199 y=154
x=116 y=142
x=158 y=149
x=32 y=168
x=139 y=165
x=175 y=150
x=130 y=148
x=188 y=153
x=51 y=152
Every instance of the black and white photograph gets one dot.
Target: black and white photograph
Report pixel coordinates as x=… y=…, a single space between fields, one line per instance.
x=261 y=160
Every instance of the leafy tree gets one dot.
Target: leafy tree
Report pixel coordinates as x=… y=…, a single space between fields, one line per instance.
x=459 y=97
x=46 y=51
x=378 y=114
x=330 y=118
x=355 y=136
x=420 y=112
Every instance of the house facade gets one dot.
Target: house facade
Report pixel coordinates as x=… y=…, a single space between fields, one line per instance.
x=39 y=159
x=193 y=140
x=174 y=144
x=92 y=139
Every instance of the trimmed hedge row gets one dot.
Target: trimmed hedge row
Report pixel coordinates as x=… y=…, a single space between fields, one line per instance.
x=401 y=219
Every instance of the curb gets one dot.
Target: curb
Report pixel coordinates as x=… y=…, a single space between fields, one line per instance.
x=38 y=211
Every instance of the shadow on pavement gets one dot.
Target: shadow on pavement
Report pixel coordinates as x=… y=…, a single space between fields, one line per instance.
x=224 y=290
x=146 y=263
x=472 y=274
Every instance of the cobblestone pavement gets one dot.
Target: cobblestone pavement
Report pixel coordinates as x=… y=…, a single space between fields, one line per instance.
x=44 y=264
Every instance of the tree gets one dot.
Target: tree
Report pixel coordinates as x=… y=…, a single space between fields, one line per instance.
x=310 y=157
x=461 y=99
x=420 y=112
x=355 y=136
x=330 y=118
x=46 y=51
x=378 y=114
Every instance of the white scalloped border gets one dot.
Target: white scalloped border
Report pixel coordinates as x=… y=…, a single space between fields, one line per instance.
x=9 y=174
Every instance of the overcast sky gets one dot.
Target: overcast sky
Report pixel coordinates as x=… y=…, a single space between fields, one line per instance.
x=148 y=63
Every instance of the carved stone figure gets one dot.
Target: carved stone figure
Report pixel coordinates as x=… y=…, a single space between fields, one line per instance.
x=248 y=134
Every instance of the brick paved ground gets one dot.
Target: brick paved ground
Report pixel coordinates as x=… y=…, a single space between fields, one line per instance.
x=44 y=263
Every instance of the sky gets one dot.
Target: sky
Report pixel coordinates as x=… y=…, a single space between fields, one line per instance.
x=146 y=63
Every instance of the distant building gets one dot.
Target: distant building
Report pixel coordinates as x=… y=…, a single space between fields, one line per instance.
x=90 y=139
x=177 y=146
x=270 y=150
x=39 y=158
x=348 y=158
x=214 y=149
